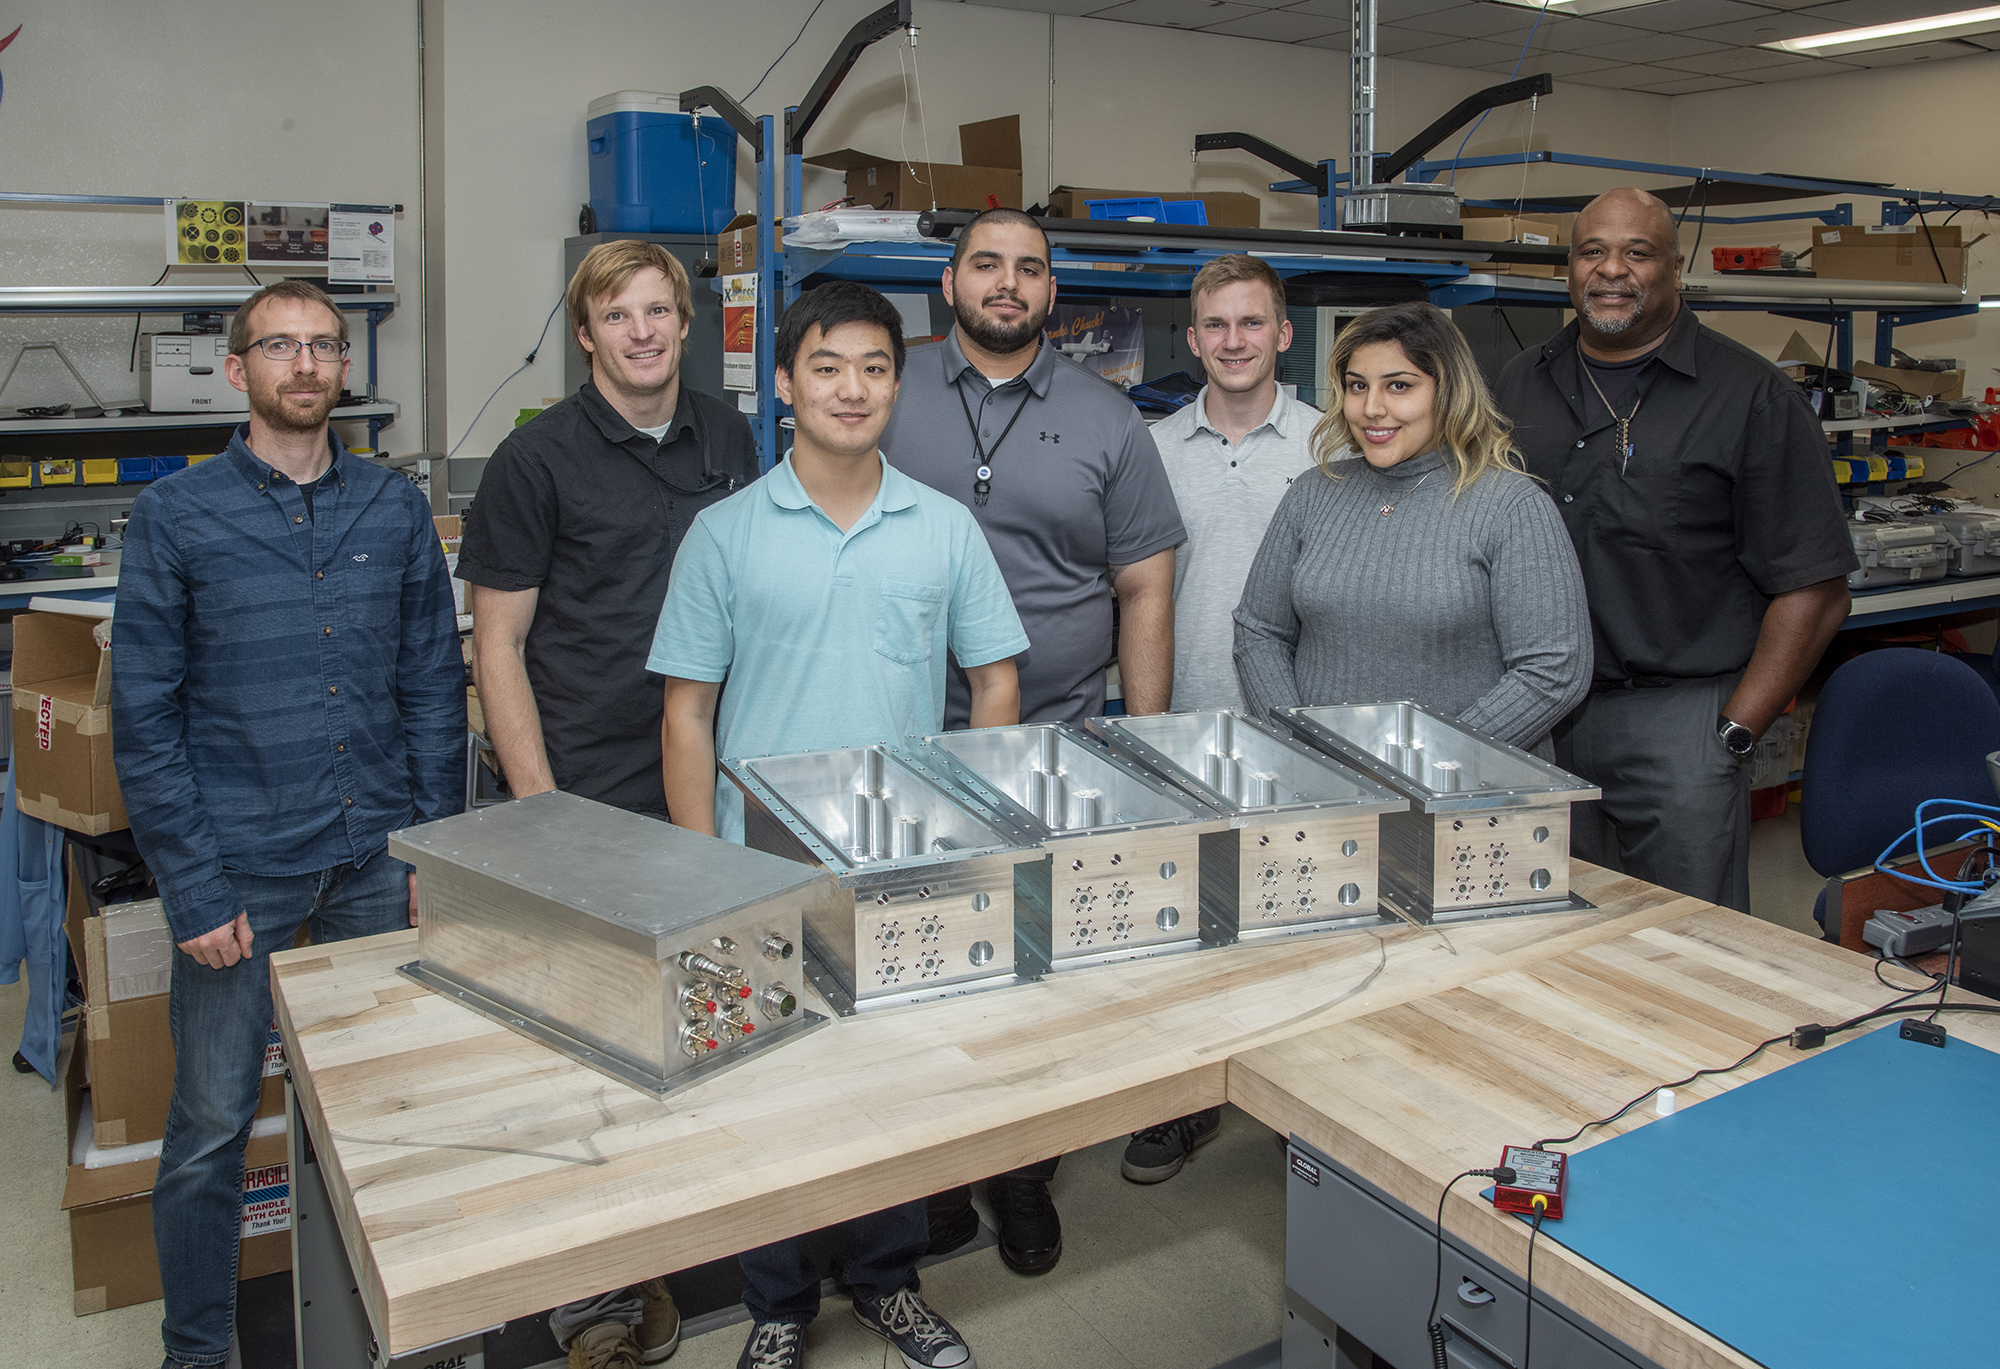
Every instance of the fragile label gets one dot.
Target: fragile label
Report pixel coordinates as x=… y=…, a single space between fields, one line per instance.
x=274 y=1052
x=44 y=719
x=267 y=1200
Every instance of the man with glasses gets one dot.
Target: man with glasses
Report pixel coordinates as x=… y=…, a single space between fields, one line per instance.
x=287 y=691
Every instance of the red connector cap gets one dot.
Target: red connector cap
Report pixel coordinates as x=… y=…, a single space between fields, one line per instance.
x=1541 y=1181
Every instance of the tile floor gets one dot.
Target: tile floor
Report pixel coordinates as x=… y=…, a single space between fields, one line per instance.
x=1182 y=1275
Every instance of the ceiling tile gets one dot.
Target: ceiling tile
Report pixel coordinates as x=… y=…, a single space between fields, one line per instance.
x=1988 y=41
x=1795 y=71
x=1049 y=6
x=1279 y=26
x=1386 y=11
x=1395 y=42
x=1730 y=61
x=1465 y=52
x=1475 y=21
x=1651 y=47
x=1573 y=35
x=1919 y=52
x=1678 y=16
x=1693 y=85
x=1861 y=13
x=1624 y=76
x=1175 y=14
x=1768 y=28
x=1556 y=64
x=1334 y=42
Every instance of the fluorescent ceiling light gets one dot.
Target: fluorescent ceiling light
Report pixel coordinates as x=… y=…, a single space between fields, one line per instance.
x=1902 y=33
x=1574 y=7
x=1989 y=301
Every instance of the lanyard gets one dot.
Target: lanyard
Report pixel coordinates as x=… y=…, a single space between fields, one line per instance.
x=982 y=479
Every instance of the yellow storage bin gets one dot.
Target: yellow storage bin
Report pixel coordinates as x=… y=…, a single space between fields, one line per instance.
x=59 y=472
x=16 y=475
x=100 y=471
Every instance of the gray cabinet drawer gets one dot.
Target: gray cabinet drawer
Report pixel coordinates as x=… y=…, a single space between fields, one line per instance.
x=1368 y=1266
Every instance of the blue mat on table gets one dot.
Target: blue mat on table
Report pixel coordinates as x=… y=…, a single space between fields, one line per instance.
x=1842 y=1212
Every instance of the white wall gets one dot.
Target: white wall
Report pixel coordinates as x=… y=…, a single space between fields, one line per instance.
x=201 y=98
x=1128 y=102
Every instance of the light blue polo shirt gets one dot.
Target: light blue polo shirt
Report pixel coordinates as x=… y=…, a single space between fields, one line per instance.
x=822 y=638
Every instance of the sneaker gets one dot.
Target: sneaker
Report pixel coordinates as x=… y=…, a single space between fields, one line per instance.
x=774 y=1345
x=1157 y=1153
x=1030 y=1230
x=923 y=1338
x=659 y=1329
x=607 y=1345
x=952 y=1219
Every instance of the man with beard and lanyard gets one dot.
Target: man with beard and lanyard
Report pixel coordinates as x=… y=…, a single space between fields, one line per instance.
x=1063 y=478
x=1694 y=480
x=286 y=691
x=566 y=557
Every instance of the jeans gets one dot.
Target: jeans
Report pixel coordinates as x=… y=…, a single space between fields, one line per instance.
x=220 y=1021
x=878 y=1255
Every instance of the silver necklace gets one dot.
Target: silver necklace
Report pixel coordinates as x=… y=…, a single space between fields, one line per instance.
x=1624 y=424
x=1388 y=509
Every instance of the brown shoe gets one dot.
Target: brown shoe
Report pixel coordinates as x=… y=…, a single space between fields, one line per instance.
x=607 y=1345
x=659 y=1329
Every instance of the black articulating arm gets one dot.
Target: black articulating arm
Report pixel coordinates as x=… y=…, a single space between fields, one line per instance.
x=883 y=22
x=1493 y=97
x=732 y=113
x=1309 y=172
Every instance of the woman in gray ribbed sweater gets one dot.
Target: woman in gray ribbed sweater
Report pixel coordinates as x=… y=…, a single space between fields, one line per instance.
x=1430 y=568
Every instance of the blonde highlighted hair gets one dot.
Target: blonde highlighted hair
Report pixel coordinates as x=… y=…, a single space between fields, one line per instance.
x=1470 y=429
x=609 y=267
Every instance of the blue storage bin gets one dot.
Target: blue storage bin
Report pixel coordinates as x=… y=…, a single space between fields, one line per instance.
x=167 y=465
x=1150 y=207
x=133 y=469
x=644 y=156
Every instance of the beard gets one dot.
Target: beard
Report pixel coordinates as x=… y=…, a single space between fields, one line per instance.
x=269 y=404
x=998 y=338
x=1612 y=327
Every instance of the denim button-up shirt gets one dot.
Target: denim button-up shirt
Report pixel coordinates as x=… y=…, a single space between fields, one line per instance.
x=287 y=687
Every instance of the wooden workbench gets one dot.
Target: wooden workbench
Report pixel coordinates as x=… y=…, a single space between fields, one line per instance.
x=1410 y=1094
x=480 y=1177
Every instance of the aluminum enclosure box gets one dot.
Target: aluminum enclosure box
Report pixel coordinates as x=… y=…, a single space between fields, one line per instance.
x=1901 y=553
x=921 y=900
x=653 y=954
x=1302 y=848
x=1489 y=830
x=1122 y=879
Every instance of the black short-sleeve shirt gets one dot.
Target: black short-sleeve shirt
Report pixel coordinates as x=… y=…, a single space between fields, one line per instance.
x=579 y=505
x=1726 y=501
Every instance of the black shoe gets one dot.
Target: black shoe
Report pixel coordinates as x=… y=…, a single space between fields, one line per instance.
x=952 y=1219
x=1030 y=1230
x=1157 y=1153
x=923 y=1338
x=774 y=1345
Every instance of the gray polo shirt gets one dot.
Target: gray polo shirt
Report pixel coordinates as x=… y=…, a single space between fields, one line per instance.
x=1227 y=493
x=1077 y=487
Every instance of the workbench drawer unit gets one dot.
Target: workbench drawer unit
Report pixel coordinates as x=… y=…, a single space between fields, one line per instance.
x=1301 y=851
x=919 y=898
x=1125 y=849
x=651 y=953
x=1364 y=1262
x=1488 y=834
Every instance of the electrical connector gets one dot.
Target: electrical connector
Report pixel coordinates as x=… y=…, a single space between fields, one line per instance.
x=1810 y=1037
x=1930 y=1033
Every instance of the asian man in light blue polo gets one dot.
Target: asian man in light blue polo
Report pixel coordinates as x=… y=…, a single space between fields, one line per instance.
x=816 y=609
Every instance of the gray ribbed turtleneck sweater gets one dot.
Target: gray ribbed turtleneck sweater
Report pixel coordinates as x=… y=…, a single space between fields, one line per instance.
x=1472 y=606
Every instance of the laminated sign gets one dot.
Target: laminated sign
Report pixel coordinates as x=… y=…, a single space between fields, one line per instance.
x=267 y=1200
x=274 y=1053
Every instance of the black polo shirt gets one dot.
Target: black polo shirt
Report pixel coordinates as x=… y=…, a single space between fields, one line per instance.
x=1727 y=500
x=579 y=505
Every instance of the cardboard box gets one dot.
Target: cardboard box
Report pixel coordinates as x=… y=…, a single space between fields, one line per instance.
x=62 y=725
x=112 y=1260
x=1890 y=252
x=1516 y=228
x=990 y=178
x=736 y=247
x=1226 y=208
x=1942 y=384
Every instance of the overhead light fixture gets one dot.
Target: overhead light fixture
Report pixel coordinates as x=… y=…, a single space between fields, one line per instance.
x=1576 y=7
x=1902 y=33
x=1989 y=301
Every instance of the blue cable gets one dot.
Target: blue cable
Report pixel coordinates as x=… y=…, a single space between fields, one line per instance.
x=1937 y=881
x=1452 y=179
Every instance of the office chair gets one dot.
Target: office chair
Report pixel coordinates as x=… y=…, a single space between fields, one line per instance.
x=1894 y=727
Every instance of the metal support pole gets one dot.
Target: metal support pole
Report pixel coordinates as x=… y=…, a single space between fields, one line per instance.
x=1361 y=97
x=770 y=212
x=1329 y=203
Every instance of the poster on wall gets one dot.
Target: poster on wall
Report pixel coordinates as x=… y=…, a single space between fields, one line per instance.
x=1109 y=341
x=291 y=234
x=739 y=332
x=361 y=244
x=206 y=233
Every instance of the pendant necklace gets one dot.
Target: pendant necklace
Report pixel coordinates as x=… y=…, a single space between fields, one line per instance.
x=982 y=477
x=1388 y=509
x=1624 y=424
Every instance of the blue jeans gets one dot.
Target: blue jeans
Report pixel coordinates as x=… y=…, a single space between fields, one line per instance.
x=220 y=1021
x=878 y=1255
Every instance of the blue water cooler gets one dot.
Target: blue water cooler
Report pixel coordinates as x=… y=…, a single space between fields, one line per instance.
x=651 y=171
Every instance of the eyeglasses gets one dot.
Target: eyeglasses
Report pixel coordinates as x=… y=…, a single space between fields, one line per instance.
x=287 y=348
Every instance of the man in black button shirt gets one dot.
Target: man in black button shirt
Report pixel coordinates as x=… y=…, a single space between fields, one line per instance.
x=1694 y=479
x=569 y=543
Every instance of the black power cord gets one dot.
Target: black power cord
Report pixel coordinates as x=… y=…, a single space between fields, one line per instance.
x=1528 y=1315
x=1433 y=1327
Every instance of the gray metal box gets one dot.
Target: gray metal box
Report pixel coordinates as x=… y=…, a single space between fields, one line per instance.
x=921 y=903
x=1301 y=851
x=1124 y=848
x=1489 y=833
x=1901 y=553
x=654 y=954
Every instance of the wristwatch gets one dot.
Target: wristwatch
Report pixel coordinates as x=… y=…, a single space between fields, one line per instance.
x=1738 y=740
